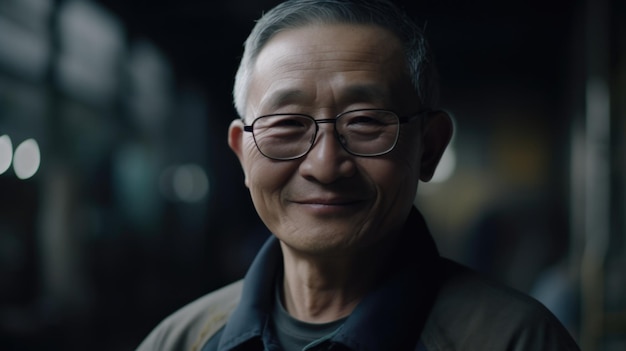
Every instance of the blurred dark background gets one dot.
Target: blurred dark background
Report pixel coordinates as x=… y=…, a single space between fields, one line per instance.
x=120 y=200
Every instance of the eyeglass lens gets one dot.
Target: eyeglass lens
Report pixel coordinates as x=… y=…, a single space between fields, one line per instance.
x=362 y=133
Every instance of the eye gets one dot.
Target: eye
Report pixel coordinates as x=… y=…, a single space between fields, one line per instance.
x=364 y=120
x=282 y=122
x=283 y=129
x=288 y=122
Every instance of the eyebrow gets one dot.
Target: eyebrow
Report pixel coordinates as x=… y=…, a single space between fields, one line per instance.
x=284 y=97
x=368 y=93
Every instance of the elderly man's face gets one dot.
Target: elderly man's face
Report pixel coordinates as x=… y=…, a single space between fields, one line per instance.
x=330 y=202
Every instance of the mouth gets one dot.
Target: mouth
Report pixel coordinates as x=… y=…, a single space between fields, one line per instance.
x=329 y=201
x=330 y=205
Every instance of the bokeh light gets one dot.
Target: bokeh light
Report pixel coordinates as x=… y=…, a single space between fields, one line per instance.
x=186 y=183
x=6 y=153
x=26 y=159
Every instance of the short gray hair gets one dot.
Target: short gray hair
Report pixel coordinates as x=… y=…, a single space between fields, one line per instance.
x=299 y=13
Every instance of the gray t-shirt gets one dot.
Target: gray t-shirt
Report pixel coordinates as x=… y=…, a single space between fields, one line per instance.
x=296 y=335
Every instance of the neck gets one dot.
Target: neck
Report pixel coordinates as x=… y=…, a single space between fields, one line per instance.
x=323 y=289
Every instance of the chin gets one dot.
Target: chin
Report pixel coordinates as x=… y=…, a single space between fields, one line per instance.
x=330 y=243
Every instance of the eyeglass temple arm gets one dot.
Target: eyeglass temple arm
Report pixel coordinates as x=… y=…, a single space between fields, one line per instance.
x=407 y=119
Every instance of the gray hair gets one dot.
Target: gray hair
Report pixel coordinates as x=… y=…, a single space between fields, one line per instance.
x=299 y=13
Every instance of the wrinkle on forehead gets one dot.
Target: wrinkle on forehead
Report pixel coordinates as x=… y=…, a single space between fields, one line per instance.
x=359 y=63
x=370 y=93
x=366 y=44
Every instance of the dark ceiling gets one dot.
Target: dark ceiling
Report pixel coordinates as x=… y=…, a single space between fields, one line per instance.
x=474 y=42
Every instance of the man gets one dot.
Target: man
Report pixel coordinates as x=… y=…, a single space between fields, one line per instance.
x=338 y=124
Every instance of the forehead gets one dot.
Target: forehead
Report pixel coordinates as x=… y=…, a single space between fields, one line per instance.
x=351 y=35
x=349 y=60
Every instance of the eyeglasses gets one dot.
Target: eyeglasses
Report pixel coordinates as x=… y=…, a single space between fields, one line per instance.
x=366 y=132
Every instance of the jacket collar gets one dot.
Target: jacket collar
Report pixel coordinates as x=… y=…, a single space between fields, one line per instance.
x=257 y=298
x=390 y=317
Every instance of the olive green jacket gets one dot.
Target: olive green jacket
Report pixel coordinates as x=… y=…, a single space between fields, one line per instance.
x=426 y=303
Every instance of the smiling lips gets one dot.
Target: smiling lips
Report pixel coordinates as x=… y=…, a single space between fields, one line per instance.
x=330 y=205
x=329 y=200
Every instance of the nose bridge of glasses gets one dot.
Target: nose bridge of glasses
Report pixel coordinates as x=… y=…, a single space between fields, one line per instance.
x=326 y=120
x=334 y=131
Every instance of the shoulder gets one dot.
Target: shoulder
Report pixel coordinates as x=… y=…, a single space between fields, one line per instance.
x=192 y=325
x=473 y=312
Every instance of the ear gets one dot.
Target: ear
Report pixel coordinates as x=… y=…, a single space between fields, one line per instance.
x=235 y=142
x=436 y=134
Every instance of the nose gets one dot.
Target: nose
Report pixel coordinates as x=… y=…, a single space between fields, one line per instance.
x=327 y=161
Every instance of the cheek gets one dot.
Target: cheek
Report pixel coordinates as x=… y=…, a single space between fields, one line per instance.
x=397 y=179
x=264 y=178
x=409 y=156
x=398 y=176
x=409 y=146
